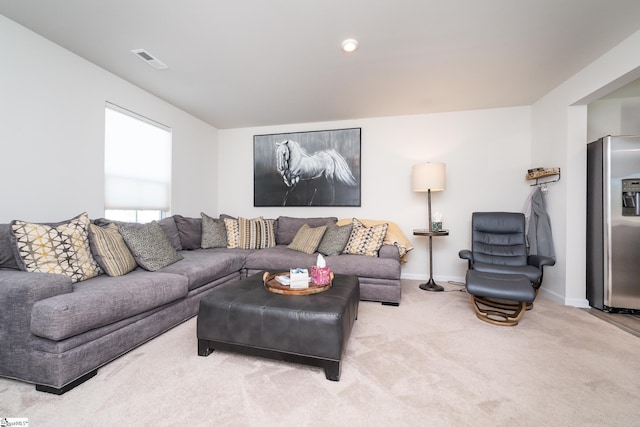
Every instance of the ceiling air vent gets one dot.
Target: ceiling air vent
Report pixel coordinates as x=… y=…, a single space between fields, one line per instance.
x=150 y=59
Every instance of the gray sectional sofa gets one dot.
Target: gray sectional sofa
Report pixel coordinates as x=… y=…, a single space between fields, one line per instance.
x=56 y=333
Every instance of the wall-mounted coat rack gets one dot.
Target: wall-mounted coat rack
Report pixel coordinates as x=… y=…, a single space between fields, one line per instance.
x=540 y=173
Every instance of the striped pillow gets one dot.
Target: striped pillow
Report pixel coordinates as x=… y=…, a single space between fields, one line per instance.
x=307 y=239
x=365 y=240
x=110 y=250
x=256 y=233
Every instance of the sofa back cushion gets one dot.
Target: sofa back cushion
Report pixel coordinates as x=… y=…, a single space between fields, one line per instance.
x=289 y=226
x=7 y=257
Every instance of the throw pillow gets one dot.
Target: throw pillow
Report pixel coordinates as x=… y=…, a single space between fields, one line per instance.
x=307 y=239
x=365 y=240
x=167 y=224
x=61 y=249
x=233 y=232
x=110 y=250
x=256 y=233
x=150 y=247
x=214 y=232
x=289 y=226
x=189 y=231
x=335 y=239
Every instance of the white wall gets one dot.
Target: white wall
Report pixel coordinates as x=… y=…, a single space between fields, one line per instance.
x=52 y=133
x=617 y=116
x=560 y=136
x=487 y=153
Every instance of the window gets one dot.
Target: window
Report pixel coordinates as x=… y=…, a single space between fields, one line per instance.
x=137 y=167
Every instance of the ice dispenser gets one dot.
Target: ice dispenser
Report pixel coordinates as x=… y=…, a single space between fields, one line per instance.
x=631 y=197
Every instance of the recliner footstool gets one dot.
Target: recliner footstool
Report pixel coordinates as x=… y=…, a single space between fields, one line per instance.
x=485 y=288
x=245 y=317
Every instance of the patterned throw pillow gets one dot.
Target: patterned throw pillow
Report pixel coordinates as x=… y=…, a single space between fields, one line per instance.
x=256 y=233
x=335 y=239
x=60 y=249
x=214 y=232
x=307 y=239
x=365 y=240
x=150 y=247
x=110 y=250
x=233 y=232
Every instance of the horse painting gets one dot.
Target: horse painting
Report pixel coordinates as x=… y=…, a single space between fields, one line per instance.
x=294 y=165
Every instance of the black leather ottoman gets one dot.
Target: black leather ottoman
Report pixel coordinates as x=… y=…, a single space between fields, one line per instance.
x=311 y=329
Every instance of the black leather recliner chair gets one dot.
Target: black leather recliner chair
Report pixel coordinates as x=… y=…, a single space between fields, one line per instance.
x=499 y=246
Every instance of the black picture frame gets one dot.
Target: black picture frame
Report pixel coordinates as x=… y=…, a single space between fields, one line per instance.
x=316 y=168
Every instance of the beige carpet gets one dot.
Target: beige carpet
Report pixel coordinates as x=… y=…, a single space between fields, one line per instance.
x=427 y=362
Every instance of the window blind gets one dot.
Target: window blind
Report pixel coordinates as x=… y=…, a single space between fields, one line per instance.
x=137 y=161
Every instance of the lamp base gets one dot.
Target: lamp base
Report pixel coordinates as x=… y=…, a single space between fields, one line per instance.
x=431 y=286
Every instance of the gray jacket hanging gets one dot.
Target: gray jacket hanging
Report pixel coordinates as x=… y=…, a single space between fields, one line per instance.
x=539 y=235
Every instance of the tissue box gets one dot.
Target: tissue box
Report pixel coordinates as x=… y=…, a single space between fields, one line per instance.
x=320 y=275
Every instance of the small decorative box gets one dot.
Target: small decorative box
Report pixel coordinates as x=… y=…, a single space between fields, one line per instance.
x=320 y=275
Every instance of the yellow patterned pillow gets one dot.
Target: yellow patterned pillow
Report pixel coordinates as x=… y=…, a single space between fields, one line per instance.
x=60 y=249
x=365 y=240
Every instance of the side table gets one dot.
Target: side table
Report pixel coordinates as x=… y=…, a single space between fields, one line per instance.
x=431 y=285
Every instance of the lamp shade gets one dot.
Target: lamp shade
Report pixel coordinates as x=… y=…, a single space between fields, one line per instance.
x=429 y=176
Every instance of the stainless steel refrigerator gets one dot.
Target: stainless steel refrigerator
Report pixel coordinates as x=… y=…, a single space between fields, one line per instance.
x=613 y=223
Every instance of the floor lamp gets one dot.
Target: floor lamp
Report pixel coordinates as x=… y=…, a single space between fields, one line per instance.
x=428 y=177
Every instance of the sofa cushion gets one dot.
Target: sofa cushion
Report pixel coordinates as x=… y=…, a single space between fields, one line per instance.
x=110 y=250
x=104 y=300
x=59 y=249
x=214 y=232
x=150 y=246
x=278 y=259
x=365 y=240
x=204 y=266
x=289 y=226
x=335 y=239
x=307 y=239
x=7 y=256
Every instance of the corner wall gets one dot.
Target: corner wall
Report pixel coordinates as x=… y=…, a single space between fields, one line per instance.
x=487 y=153
x=560 y=126
x=52 y=133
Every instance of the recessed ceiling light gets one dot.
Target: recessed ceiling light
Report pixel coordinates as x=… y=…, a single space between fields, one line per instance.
x=349 y=45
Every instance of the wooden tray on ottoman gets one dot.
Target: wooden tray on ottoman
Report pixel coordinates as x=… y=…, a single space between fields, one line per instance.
x=272 y=285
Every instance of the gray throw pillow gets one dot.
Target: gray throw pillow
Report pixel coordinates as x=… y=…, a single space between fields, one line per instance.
x=335 y=239
x=150 y=246
x=190 y=231
x=214 y=232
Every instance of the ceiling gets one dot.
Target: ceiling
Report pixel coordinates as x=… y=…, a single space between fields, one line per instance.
x=250 y=63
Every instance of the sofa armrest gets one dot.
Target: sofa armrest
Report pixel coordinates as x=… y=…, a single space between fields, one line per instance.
x=390 y=252
x=19 y=290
